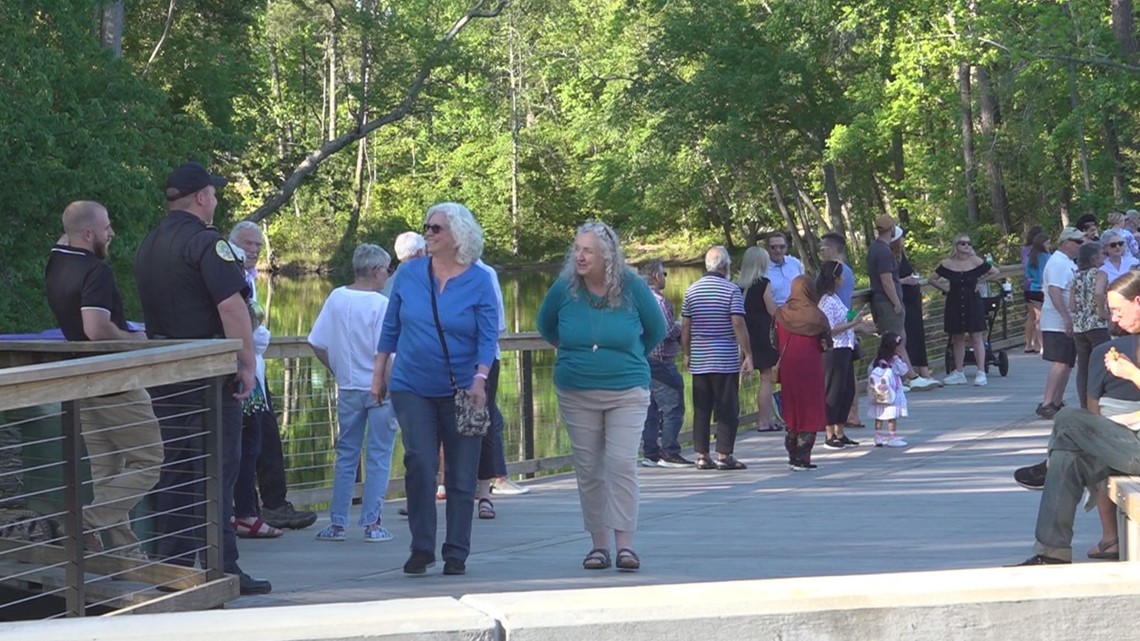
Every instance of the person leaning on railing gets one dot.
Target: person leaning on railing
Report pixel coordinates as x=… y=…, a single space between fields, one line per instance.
x=604 y=322
x=120 y=430
x=423 y=381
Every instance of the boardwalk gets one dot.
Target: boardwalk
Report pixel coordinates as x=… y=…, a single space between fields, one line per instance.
x=945 y=502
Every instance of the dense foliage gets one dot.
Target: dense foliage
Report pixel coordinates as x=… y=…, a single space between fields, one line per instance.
x=681 y=122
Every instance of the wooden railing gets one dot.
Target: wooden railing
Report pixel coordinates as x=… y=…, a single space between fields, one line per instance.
x=41 y=383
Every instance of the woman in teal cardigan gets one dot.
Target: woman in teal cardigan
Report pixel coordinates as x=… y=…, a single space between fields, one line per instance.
x=604 y=321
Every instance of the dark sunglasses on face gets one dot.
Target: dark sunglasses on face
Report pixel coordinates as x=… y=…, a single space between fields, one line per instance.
x=1077 y=241
x=1118 y=243
x=435 y=229
x=965 y=243
x=777 y=246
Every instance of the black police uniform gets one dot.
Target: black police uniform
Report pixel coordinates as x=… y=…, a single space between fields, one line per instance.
x=184 y=268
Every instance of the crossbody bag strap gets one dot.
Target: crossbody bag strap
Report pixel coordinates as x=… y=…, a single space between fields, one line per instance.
x=438 y=326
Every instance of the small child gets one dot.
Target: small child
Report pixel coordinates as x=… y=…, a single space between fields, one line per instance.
x=885 y=390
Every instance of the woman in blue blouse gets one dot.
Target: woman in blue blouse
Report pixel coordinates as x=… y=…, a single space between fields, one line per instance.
x=422 y=395
x=604 y=321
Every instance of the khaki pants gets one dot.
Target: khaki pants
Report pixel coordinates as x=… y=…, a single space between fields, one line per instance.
x=605 y=429
x=124 y=445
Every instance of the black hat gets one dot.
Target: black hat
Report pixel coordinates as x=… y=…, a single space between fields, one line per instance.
x=189 y=178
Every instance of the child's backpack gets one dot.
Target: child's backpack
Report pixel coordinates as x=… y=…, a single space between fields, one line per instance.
x=879 y=385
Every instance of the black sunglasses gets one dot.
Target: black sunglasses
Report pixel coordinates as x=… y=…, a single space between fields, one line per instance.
x=435 y=229
x=1118 y=243
x=965 y=243
x=1078 y=241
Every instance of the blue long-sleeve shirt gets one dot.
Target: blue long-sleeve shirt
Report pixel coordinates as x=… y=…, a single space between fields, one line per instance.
x=601 y=348
x=469 y=314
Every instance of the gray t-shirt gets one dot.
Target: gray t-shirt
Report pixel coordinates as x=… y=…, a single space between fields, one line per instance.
x=880 y=260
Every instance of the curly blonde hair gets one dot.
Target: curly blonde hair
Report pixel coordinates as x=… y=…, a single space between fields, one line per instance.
x=615 y=264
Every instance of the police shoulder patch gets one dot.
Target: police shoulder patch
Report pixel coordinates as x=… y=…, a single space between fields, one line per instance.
x=222 y=248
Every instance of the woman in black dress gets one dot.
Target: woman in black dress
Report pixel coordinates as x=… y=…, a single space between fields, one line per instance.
x=759 y=309
x=965 y=313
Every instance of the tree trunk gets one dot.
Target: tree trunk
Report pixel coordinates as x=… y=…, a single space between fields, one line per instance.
x=1075 y=106
x=789 y=219
x=331 y=120
x=1120 y=192
x=515 y=81
x=111 y=27
x=991 y=120
x=1122 y=28
x=967 y=140
x=1064 y=166
x=834 y=201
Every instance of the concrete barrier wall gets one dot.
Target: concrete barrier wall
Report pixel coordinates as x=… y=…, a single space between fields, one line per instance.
x=1091 y=602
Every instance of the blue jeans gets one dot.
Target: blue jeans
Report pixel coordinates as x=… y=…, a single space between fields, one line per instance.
x=1084 y=450
x=181 y=487
x=357 y=412
x=425 y=423
x=666 y=410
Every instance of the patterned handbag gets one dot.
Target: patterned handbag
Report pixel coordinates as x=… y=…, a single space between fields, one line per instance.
x=469 y=420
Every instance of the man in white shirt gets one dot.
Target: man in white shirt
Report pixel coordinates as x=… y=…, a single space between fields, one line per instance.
x=1056 y=320
x=783 y=268
x=344 y=338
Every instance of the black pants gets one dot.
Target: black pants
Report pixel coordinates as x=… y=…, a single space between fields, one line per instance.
x=181 y=490
x=799 y=445
x=839 y=383
x=719 y=393
x=916 y=335
x=271 y=460
x=491 y=463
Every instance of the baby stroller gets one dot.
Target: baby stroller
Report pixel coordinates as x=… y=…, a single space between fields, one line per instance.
x=995 y=301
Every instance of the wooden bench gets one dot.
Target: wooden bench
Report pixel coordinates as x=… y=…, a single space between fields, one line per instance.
x=1125 y=493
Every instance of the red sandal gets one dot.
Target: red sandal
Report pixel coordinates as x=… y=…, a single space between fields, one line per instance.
x=255 y=528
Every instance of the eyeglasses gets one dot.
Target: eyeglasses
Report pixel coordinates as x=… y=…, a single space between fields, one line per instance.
x=435 y=229
x=1118 y=243
x=965 y=243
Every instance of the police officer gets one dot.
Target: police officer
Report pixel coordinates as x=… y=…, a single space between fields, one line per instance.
x=191 y=286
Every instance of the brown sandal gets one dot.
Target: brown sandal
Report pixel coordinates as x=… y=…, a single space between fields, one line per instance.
x=486 y=509
x=627 y=560
x=597 y=559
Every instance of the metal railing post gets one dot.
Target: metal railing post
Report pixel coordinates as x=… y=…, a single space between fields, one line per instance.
x=213 y=469
x=75 y=593
x=527 y=402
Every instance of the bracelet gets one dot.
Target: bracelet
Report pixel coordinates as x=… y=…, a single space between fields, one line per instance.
x=480 y=375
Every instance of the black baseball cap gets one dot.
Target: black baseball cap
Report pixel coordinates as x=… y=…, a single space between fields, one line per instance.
x=188 y=178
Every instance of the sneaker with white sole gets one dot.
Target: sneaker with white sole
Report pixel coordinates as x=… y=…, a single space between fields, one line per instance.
x=921 y=384
x=647 y=462
x=880 y=439
x=895 y=441
x=377 y=532
x=332 y=533
x=957 y=377
x=506 y=487
x=980 y=379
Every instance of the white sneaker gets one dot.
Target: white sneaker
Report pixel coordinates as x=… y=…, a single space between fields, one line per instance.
x=895 y=441
x=980 y=379
x=645 y=462
x=506 y=487
x=955 y=378
x=921 y=384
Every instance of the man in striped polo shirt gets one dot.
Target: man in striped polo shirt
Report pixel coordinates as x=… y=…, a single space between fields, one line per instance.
x=713 y=335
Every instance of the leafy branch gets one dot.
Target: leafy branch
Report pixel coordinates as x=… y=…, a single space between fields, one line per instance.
x=314 y=159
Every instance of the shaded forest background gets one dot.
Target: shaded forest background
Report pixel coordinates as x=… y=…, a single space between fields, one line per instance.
x=680 y=122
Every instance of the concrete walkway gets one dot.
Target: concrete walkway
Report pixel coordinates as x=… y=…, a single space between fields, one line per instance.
x=947 y=501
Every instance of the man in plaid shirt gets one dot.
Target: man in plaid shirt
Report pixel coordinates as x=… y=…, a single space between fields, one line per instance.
x=667 y=389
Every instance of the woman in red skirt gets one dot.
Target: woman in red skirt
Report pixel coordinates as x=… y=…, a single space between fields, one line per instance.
x=802 y=331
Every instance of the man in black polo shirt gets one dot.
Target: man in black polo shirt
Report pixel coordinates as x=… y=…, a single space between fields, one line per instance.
x=120 y=430
x=191 y=287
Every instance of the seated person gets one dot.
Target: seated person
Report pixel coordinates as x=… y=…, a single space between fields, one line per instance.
x=1089 y=445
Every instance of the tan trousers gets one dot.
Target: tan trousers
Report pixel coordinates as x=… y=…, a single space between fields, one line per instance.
x=605 y=431
x=124 y=445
